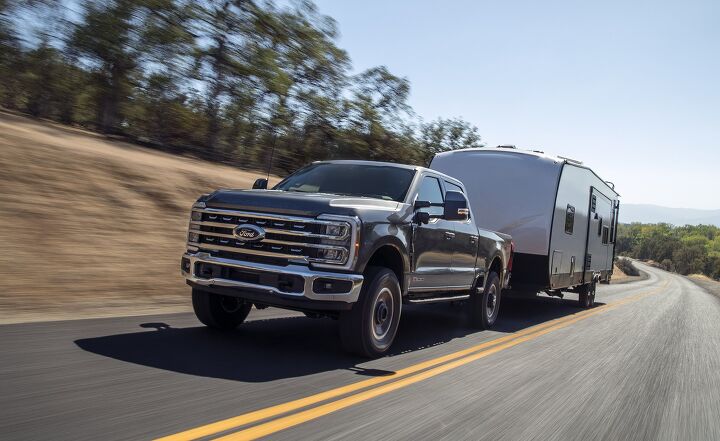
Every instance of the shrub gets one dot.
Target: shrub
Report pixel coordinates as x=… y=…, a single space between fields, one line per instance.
x=627 y=267
x=668 y=265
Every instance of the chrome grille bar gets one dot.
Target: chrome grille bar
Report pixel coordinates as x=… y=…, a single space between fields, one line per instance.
x=207 y=246
x=279 y=242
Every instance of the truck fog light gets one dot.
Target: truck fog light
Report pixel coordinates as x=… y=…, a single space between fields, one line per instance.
x=196 y=216
x=330 y=254
x=193 y=237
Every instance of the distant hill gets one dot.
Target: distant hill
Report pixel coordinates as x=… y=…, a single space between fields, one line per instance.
x=652 y=214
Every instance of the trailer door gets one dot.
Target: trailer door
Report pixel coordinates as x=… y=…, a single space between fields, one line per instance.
x=599 y=252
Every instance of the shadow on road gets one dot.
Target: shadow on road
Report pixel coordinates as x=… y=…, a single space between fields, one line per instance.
x=265 y=350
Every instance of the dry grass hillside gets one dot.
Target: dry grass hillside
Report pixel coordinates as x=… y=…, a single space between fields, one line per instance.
x=92 y=227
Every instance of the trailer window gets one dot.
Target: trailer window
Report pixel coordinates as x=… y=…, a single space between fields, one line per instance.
x=569 y=219
x=593 y=204
x=613 y=223
x=600 y=226
x=605 y=235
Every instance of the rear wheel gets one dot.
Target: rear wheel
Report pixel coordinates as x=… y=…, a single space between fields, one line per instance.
x=218 y=311
x=369 y=328
x=484 y=308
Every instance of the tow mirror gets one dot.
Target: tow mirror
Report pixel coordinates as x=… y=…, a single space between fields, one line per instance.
x=456 y=206
x=260 y=184
x=422 y=204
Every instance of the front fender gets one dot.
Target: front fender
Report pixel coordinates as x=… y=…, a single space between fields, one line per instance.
x=379 y=235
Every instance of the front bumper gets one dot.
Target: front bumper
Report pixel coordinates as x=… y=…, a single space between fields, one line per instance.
x=308 y=276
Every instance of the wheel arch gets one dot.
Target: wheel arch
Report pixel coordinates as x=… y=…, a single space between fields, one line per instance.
x=393 y=256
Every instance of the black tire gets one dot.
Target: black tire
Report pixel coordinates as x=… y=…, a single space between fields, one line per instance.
x=369 y=328
x=586 y=295
x=483 y=309
x=219 y=312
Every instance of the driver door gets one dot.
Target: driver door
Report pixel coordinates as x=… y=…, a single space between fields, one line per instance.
x=432 y=242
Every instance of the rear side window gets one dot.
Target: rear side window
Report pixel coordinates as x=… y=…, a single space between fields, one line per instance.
x=605 y=235
x=569 y=219
x=453 y=187
x=430 y=191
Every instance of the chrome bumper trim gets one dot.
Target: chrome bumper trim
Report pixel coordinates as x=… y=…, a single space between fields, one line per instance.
x=308 y=275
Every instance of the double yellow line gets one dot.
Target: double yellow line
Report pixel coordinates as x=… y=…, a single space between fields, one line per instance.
x=385 y=384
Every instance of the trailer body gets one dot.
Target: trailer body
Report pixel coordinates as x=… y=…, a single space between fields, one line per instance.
x=562 y=215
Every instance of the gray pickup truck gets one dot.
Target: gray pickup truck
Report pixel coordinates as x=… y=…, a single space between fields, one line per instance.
x=352 y=240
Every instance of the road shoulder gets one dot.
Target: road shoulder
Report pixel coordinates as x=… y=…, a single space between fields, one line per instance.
x=708 y=284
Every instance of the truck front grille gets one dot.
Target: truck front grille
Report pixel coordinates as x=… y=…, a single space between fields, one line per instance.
x=286 y=238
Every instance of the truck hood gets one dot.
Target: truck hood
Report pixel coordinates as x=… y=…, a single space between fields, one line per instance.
x=298 y=204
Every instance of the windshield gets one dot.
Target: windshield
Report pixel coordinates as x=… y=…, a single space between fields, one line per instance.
x=361 y=180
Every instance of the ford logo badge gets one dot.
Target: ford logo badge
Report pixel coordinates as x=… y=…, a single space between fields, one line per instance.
x=248 y=233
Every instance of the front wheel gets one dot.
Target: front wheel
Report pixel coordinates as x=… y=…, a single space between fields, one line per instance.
x=484 y=308
x=218 y=311
x=369 y=328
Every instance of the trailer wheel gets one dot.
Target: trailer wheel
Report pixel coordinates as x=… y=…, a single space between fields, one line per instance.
x=219 y=312
x=369 y=328
x=586 y=297
x=483 y=309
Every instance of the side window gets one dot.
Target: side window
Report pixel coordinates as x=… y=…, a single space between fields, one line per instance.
x=600 y=226
x=430 y=191
x=569 y=219
x=593 y=204
x=605 y=235
x=453 y=187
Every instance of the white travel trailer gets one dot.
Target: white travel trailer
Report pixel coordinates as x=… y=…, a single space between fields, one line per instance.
x=561 y=215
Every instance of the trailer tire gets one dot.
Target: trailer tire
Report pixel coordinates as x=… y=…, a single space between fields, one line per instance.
x=586 y=297
x=483 y=309
x=369 y=328
x=219 y=312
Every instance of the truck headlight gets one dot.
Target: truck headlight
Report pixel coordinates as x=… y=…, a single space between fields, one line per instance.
x=196 y=216
x=337 y=230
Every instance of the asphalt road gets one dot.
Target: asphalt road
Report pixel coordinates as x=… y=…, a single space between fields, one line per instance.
x=645 y=365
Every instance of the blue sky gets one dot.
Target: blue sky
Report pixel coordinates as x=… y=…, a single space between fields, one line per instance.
x=631 y=88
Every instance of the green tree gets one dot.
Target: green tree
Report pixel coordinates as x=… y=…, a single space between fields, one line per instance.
x=114 y=38
x=448 y=134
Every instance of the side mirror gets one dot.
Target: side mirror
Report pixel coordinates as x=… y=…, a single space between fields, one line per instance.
x=260 y=184
x=456 y=207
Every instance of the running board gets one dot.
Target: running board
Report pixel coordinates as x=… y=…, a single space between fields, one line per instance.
x=440 y=299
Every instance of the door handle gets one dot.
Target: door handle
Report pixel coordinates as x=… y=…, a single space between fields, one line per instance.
x=449 y=235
